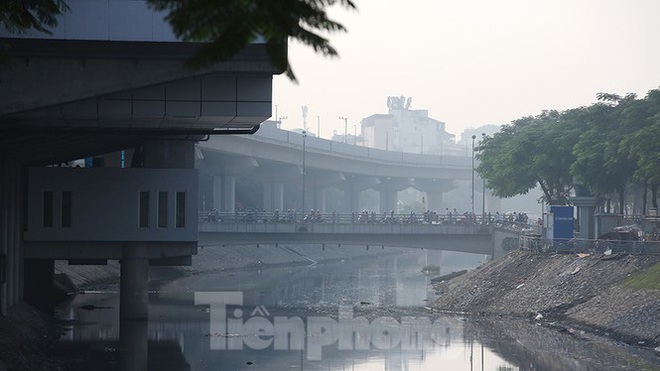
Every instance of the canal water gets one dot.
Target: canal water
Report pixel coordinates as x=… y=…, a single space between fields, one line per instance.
x=356 y=314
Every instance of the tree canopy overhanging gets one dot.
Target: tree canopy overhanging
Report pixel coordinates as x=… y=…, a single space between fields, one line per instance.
x=609 y=148
x=224 y=27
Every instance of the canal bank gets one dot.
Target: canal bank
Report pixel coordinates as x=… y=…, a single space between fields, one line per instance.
x=612 y=295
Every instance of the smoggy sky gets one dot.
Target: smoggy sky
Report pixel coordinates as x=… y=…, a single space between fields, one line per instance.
x=473 y=62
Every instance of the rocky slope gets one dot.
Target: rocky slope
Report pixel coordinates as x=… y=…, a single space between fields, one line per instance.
x=594 y=292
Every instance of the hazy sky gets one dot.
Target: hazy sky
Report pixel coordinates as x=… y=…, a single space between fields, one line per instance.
x=473 y=62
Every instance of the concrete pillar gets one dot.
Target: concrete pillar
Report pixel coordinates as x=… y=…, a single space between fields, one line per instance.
x=217 y=193
x=134 y=282
x=388 y=200
x=434 y=201
x=319 y=198
x=273 y=195
x=268 y=193
x=351 y=200
x=278 y=196
x=229 y=193
x=38 y=282
x=352 y=188
x=11 y=229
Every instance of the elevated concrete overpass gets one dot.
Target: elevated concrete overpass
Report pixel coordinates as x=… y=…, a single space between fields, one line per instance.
x=275 y=158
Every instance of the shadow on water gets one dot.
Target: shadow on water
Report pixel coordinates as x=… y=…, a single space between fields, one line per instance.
x=133 y=351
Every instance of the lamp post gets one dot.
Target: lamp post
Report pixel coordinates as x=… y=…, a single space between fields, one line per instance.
x=304 y=136
x=483 y=189
x=318 y=126
x=345 y=126
x=279 y=121
x=472 y=196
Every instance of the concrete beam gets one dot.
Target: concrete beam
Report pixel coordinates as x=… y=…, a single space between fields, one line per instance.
x=66 y=250
x=434 y=185
x=88 y=68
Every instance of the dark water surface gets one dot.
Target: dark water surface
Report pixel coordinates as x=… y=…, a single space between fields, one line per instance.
x=361 y=314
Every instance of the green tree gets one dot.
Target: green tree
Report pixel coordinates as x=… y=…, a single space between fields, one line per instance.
x=642 y=120
x=531 y=151
x=20 y=16
x=223 y=27
x=599 y=163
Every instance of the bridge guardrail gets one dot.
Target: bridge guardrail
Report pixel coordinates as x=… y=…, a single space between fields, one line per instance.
x=363 y=218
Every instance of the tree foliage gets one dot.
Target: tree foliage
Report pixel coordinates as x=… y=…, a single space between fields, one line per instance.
x=20 y=16
x=532 y=151
x=223 y=27
x=604 y=147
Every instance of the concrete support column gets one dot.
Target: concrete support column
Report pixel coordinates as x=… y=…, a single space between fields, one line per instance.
x=229 y=193
x=278 y=196
x=273 y=195
x=351 y=200
x=39 y=282
x=11 y=231
x=134 y=284
x=268 y=193
x=217 y=192
x=319 y=198
x=388 y=200
x=434 y=200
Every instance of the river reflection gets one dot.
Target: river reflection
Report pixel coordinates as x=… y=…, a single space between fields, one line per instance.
x=362 y=314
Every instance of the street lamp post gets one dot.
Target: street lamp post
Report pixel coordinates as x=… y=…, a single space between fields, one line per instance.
x=318 y=126
x=345 y=126
x=472 y=196
x=279 y=121
x=483 y=189
x=304 y=136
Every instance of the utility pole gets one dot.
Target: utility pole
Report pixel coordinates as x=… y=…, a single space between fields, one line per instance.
x=472 y=196
x=345 y=127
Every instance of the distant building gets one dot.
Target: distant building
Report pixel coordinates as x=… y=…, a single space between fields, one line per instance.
x=405 y=130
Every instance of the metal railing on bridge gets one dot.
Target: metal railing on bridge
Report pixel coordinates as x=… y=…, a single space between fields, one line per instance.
x=362 y=218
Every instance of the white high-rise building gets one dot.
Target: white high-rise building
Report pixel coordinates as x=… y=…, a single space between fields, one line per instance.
x=404 y=129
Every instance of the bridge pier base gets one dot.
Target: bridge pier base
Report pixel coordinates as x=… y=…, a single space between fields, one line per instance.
x=134 y=282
